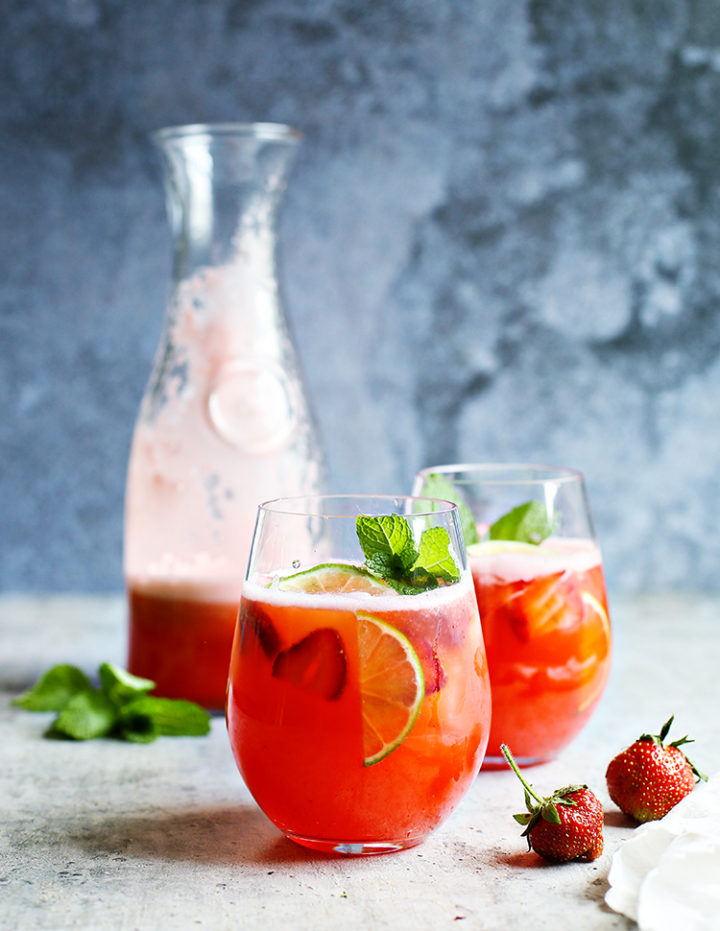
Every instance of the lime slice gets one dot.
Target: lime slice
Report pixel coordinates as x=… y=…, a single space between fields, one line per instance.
x=596 y=620
x=495 y=547
x=593 y=605
x=391 y=687
x=334 y=578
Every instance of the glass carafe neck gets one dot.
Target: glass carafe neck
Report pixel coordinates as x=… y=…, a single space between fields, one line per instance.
x=223 y=187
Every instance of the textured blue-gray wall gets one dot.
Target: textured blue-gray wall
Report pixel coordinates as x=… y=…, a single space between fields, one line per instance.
x=501 y=241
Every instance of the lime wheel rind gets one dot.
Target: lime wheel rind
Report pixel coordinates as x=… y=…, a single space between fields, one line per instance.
x=336 y=578
x=372 y=698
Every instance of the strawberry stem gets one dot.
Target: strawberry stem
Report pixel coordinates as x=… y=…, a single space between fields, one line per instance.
x=513 y=765
x=659 y=738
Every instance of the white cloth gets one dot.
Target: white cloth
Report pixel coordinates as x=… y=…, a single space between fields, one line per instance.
x=667 y=874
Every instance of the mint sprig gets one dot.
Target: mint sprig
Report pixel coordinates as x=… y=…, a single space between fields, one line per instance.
x=54 y=689
x=437 y=486
x=122 y=686
x=86 y=715
x=526 y=523
x=388 y=545
x=121 y=707
x=390 y=554
x=150 y=716
x=434 y=556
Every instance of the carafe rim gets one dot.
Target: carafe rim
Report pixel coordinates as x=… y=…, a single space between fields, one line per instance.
x=279 y=132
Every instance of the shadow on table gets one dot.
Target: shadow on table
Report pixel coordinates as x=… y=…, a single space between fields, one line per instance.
x=616 y=819
x=222 y=836
x=527 y=859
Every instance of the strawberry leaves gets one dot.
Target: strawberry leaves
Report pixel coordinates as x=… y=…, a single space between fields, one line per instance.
x=680 y=742
x=537 y=806
x=545 y=808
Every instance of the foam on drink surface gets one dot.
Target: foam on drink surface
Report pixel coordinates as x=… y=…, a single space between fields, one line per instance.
x=206 y=578
x=558 y=554
x=264 y=588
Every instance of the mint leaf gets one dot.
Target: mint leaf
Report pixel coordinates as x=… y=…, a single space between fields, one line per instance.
x=138 y=729
x=122 y=686
x=387 y=543
x=53 y=689
x=171 y=717
x=434 y=556
x=121 y=707
x=416 y=582
x=390 y=553
x=437 y=486
x=526 y=523
x=86 y=715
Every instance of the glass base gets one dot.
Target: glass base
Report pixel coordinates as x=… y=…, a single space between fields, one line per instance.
x=362 y=848
x=499 y=762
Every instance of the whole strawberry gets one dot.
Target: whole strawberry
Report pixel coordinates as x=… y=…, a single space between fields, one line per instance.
x=650 y=777
x=565 y=826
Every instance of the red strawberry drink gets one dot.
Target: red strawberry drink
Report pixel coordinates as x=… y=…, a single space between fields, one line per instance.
x=321 y=743
x=180 y=636
x=359 y=699
x=538 y=579
x=545 y=623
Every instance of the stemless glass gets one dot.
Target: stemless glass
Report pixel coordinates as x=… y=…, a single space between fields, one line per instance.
x=358 y=714
x=542 y=602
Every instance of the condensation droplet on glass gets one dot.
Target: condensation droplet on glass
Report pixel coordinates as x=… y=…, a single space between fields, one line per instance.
x=296 y=563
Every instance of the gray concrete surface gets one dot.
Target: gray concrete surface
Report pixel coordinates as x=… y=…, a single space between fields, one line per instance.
x=500 y=243
x=106 y=835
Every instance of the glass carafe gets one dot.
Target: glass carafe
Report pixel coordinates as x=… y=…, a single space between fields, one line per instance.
x=224 y=423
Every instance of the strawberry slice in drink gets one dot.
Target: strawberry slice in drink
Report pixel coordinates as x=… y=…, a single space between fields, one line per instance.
x=544 y=604
x=316 y=664
x=257 y=628
x=433 y=672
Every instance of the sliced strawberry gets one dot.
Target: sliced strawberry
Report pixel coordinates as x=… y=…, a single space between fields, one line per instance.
x=492 y=594
x=433 y=673
x=255 y=625
x=544 y=604
x=316 y=664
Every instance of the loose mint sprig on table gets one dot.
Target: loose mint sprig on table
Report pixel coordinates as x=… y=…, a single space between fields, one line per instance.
x=526 y=523
x=122 y=707
x=391 y=555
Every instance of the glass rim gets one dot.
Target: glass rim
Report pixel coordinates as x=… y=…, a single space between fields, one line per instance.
x=508 y=473
x=272 y=132
x=282 y=505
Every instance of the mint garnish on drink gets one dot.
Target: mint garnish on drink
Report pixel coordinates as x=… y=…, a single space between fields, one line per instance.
x=391 y=555
x=122 y=707
x=526 y=523
x=437 y=486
